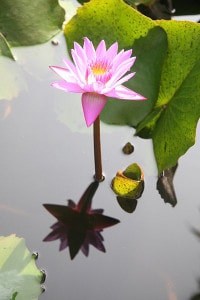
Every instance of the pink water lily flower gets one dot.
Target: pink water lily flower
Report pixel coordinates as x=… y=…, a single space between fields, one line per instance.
x=97 y=74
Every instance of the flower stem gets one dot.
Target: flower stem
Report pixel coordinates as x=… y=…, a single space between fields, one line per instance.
x=97 y=150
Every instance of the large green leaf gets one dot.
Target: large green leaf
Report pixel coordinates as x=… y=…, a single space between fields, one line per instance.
x=19 y=276
x=178 y=105
x=150 y=52
x=25 y=22
x=111 y=20
x=175 y=130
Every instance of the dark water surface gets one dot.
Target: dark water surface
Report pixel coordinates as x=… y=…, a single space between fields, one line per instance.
x=47 y=157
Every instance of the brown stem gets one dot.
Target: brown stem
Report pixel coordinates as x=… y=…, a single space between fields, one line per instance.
x=97 y=150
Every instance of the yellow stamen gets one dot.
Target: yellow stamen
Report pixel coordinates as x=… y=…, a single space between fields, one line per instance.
x=99 y=68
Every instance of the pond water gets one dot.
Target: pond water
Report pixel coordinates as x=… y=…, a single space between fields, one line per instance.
x=47 y=157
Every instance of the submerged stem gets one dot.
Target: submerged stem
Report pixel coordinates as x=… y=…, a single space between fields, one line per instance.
x=97 y=150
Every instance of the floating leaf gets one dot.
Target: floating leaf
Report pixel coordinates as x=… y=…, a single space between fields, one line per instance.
x=174 y=131
x=23 y=22
x=128 y=148
x=113 y=20
x=172 y=124
x=165 y=186
x=130 y=183
x=19 y=276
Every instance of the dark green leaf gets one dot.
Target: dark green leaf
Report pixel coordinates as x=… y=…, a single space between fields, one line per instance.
x=25 y=22
x=150 y=52
x=146 y=126
x=173 y=128
x=83 y=1
x=186 y=7
x=134 y=172
x=174 y=132
x=111 y=20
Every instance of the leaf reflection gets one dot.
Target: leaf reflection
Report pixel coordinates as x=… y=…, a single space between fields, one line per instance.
x=165 y=185
x=78 y=225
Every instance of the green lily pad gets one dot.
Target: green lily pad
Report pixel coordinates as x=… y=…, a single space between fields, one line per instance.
x=173 y=131
x=113 y=21
x=129 y=183
x=24 y=23
x=19 y=276
x=150 y=53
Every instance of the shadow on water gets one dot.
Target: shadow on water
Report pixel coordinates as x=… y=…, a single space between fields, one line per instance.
x=78 y=224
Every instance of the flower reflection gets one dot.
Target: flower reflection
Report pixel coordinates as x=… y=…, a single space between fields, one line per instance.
x=78 y=225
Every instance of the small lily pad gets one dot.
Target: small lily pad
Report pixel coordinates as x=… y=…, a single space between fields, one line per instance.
x=25 y=23
x=128 y=148
x=129 y=184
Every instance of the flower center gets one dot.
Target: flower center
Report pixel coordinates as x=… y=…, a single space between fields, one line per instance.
x=99 y=68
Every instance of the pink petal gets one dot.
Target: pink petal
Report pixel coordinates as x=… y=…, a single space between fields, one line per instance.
x=101 y=50
x=67 y=86
x=92 y=104
x=121 y=57
x=80 y=65
x=89 y=49
x=71 y=68
x=120 y=71
x=112 y=51
x=124 y=79
x=123 y=92
x=80 y=52
x=64 y=73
